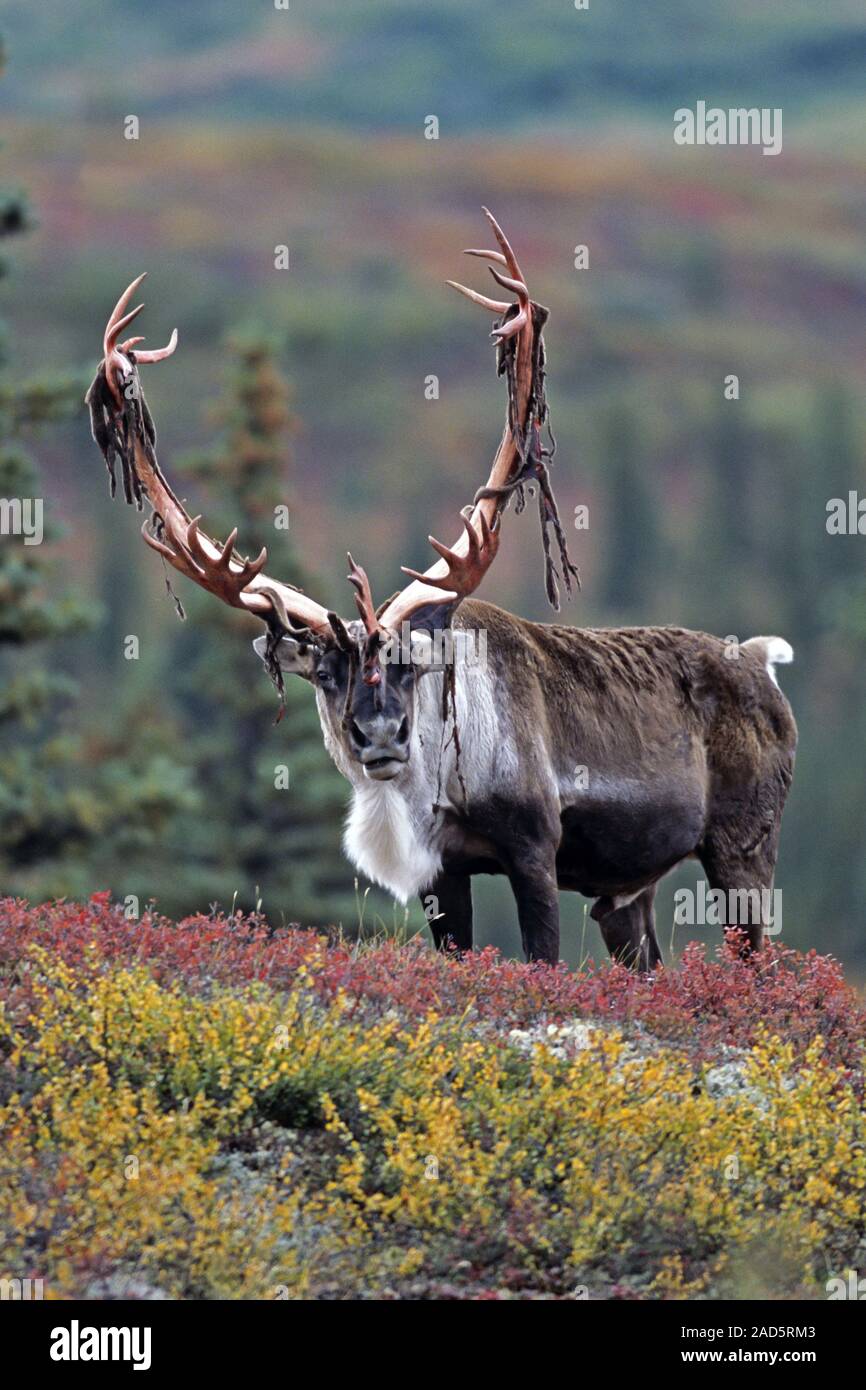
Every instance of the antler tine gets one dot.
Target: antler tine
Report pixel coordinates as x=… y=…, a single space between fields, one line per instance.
x=486 y=255
x=114 y=319
x=192 y=539
x=447 y=595
x=516 y=286
x=113 y=333
x=505 y=244
x=465 y=572
x=117 y=364
x=496 y=306
x=178 y=558
x=512 y=326
x=221 y=573
x=226 y=552
x=157 y=354
x=357 y=577
x=254 y=567
x=219 y=567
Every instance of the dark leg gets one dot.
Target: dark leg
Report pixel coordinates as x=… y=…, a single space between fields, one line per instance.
x=448 y=908
x=629 y=932
x=533 y=883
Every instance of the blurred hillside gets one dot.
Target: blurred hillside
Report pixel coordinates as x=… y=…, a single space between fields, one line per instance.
x=480 y=67
x=305 y=128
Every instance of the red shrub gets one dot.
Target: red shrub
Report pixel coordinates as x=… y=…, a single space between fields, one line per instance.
x=700 y=1005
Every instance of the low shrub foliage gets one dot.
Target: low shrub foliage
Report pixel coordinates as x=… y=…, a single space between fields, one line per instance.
x=211 y=1109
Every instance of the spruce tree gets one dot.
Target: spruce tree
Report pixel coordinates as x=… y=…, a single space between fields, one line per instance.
x=74 y=805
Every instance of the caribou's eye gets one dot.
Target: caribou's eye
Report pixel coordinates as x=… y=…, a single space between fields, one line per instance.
x=325 y=679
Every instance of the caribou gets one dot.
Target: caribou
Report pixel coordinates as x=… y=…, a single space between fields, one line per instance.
x=568 y=758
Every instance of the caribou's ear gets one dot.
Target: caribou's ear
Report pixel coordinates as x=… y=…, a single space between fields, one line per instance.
x=295 y=657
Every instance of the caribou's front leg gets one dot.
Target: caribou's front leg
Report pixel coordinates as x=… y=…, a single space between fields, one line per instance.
x=533 y=882
x=451 y=915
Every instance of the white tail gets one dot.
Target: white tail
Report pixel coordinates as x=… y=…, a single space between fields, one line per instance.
x=773 y=651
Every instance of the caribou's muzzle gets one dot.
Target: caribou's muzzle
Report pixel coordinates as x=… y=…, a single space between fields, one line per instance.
x=383 y=768
x=380 y=745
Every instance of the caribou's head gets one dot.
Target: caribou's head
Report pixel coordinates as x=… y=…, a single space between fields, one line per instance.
x=372 y=723
x=366 y=672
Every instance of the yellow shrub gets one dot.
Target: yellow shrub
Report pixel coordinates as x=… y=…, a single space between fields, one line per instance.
x=256 y=1144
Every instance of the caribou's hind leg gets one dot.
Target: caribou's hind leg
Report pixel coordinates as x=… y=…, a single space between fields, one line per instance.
x=630 y=935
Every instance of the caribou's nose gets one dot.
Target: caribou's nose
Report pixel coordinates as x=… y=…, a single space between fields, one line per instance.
x=381 y=738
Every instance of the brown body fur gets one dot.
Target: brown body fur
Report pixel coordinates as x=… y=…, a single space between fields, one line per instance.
x=688 y=748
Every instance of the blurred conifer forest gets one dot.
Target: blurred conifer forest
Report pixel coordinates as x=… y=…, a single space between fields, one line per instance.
x=305 y=388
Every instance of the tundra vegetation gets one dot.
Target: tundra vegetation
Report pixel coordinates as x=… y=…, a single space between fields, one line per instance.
x=212 y=1109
